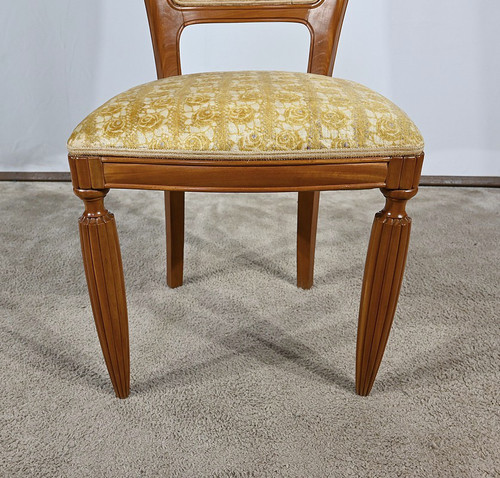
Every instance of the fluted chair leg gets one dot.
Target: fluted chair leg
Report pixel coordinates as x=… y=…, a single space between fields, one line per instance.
x=174 y=219
x=383 y=275
x=307 y=222
x=104 y=272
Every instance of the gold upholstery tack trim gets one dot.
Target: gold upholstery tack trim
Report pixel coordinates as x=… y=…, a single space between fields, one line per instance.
x=353 y=153
x=250 y=114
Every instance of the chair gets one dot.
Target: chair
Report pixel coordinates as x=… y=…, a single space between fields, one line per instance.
x=246 y=132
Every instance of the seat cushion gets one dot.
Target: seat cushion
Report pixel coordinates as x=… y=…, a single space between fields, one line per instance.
x=247 y=115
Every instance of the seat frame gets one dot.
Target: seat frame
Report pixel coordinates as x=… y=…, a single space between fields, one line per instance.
x=93 y=176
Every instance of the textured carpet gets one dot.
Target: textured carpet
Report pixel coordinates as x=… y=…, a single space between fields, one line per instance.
x=238 y=373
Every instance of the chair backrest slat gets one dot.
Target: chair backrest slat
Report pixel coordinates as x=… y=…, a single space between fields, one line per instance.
x=323 y=18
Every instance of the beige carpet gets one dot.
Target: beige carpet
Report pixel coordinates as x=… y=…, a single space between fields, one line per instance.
x=238 y=373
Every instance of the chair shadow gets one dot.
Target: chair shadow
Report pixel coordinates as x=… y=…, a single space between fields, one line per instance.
x=268 y=344
x=49 y=356
x=439 y=361
x=246 y=257
x=264 y=342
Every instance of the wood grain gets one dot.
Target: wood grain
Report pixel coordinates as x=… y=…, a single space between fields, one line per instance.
x=307 y=223
x=383 y=275
x=167 y=21
x=86 y=172
x=323 y=19
x=245 y=177
x=104 y=273
x=174 y=219
x=397 y=176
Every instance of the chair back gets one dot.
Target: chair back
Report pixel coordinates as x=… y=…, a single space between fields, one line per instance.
x=167 y=19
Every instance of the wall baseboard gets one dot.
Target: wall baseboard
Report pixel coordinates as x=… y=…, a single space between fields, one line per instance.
x=461 y=181
x=34 y=176
x=457 y=181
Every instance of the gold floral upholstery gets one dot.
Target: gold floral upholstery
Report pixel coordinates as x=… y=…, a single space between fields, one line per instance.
x=216 y=3
x=247 y=115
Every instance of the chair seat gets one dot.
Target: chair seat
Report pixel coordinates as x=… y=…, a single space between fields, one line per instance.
x=245 y=116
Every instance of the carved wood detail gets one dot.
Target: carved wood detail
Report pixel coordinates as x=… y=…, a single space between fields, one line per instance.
x=398 y=176
x=86 y=172
x=104 y=273
x=383 y=275
x=404 y=172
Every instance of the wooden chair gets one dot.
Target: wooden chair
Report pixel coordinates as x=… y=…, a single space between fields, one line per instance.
x=246 y=132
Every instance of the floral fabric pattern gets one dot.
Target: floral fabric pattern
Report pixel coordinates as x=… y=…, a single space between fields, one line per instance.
x=247 y=115
x=241 y=3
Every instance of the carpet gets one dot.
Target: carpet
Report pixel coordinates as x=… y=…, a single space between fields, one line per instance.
x=238 y=373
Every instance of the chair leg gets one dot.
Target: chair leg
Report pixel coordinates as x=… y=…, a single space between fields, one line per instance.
x=307 y=222
x=383 y=275
x=104 y=272
x=174 y=219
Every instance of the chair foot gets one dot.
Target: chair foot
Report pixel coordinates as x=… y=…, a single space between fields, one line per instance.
x=307 y=222
x=383 y=275
x=104 y=272
x=174 y=219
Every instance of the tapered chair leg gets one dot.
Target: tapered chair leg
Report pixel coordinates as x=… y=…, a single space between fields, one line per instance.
x=383 y=275
x=307 y=222
x=104 y=272
x=174 y=219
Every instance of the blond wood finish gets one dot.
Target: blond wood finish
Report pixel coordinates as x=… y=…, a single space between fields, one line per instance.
x=237 y=176
x=323 y=19
x=307 y=221
x=385 y=260
x=174 y=219
x=384 y=268
x=104 y=272
x=245 y=177
x=86 y=172
x=167 y=20
x=398 y=178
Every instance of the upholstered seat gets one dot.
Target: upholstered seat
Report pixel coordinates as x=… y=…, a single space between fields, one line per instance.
x=246 y=132
x=248 y=115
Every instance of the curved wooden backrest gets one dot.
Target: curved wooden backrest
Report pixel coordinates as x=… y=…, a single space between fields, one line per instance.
x=323 y=18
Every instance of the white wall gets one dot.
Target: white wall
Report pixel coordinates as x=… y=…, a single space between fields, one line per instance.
x=439 y=60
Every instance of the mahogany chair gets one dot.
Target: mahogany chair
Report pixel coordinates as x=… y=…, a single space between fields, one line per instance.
x=246 y=132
